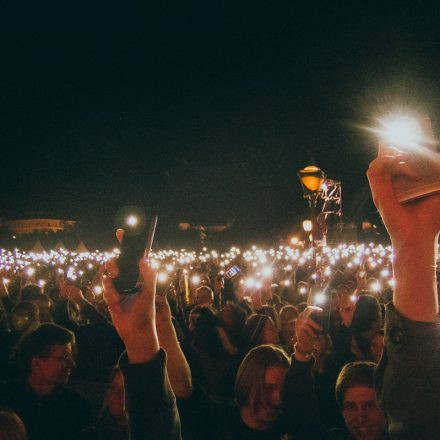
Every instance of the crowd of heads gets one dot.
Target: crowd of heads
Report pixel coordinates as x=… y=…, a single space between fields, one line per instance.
x=237 y=331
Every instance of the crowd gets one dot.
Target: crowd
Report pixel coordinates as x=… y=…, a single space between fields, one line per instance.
x=297 y=341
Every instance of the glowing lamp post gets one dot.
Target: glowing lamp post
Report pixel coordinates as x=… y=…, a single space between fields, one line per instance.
x=312 y=178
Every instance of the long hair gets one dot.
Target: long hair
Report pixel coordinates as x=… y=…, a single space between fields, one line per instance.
x=249 y=382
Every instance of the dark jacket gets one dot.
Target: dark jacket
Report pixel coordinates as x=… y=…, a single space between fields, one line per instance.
x=61 y=415
x=151 y=404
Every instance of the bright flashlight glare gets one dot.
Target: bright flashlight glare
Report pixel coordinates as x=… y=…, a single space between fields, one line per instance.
x=401 y=131
x=267 y=271
x=375 y=286
x=97 y=290
x=6 y=281
x=307 y=225
x=162 y=277
x=385 y=273
x=320 y=298
x=353 y=298
x=302 y=290
x=132 y=220
x=195 y=279
x=250 y=282
x=30 y=271
x=41 y=283
x=294 y=240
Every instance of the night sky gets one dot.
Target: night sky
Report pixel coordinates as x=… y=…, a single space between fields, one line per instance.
x=98 y=99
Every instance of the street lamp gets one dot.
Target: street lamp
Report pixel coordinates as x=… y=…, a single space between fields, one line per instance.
x=312 y=178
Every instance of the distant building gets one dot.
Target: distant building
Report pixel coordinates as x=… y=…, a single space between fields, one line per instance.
x=30 y=226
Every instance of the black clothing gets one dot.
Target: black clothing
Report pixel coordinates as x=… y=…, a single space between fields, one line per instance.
x=204 y=417
x=60 y=415
x=151 y=404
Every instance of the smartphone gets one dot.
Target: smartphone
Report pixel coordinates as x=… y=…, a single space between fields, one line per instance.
x=322 y=318
x=135 y=245
x=414 y=136
x=231 y=272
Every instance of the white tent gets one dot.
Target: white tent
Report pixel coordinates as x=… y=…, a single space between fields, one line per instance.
x=81 y=248
x=38 y=248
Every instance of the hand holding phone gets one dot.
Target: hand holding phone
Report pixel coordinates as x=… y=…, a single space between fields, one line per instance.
x=133 y=248
x=413 y=137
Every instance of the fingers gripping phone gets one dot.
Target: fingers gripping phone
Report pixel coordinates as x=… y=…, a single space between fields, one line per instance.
x=230 y=273
x=136 y=244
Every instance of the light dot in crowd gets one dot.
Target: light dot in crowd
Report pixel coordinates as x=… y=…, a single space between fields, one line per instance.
x=286 y=283
x=195 y=279
x=294 y=240
x=320 y=298
x=132 y=220
x=267 y=271
x=302 y=290
x=385 y=273
x=162 y=277
x=30 y=271
x=41 y=283
x=289 y=267
x=97 y=290
x=353 y=298
x=116 y=251
x=258 y=284
x=391 y=282
x=250 y=282
x=6 y=281
x=327 y=271
x=169 y=267
x=375 y=286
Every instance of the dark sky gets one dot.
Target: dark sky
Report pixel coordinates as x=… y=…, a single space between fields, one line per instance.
x=99 y=98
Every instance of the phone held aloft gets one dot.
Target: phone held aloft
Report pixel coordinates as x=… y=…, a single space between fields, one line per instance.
x=132 y=250
x=427 y=165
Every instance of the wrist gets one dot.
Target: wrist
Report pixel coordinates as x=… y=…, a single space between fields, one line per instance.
x=301 y=354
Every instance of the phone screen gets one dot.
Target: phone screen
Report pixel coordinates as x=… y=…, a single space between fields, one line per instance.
x=231 y=272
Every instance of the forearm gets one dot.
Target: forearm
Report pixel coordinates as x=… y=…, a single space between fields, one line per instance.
x=415 y=292
x=179 y=372
x=150 y=401
x=142 y=348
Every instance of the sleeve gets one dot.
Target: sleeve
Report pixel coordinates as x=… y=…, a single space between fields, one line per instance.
x=151 y=404
x=300 y=404
x=407 y=379
x=342 y=346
